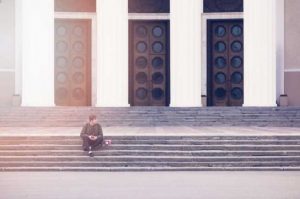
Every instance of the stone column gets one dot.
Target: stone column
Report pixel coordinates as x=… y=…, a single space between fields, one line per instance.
x=35 y=51
x=280 y=35
x=260 y=52
x=112 y=44
x=185 y=20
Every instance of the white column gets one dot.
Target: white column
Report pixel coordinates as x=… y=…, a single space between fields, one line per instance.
x=36 y=51
x=112 y=71
x=260 y=52
x=18 y=48
x=280 y=46
x=185 y=56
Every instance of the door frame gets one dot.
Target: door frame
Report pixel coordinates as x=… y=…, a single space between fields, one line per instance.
x=206 y=17
x=130 y=60
x=93 y=69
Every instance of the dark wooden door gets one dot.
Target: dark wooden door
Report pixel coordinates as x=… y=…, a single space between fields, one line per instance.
x=225 y=65
x=72 y=62
x=149 y=63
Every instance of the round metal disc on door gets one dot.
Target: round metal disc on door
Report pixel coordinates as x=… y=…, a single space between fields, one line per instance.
x=141 y=93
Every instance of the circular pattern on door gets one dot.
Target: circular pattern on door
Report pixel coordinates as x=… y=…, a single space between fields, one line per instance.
x=141 y=62
x=141 y=93
x=157 y=78
x=78 y=31
x=61 y=78
x=220 y=78
x=236 y=46
x=220 y=31
x=141 y=31
x=157 y=62
x=236 y=78
x=78 y=62
x=61 y=31
x=141 y=47
x=157 y=31
x=220 y=62
x=141 y=77
x=157 y=93
x=220 y=93
x=157 y=47
x=61 y=46
x=78 y=78
x=61 y=62
x=237 y=93
x=78 y=46
x=78 y=93
x=220 y=46
x=236 y=31
x=236 y=62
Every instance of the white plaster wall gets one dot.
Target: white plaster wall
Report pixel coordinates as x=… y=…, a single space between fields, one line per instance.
x=7 y=38
x=292 y=49
x=292 y=35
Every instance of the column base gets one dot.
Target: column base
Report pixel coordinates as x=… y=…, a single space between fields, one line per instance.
x=16 y=100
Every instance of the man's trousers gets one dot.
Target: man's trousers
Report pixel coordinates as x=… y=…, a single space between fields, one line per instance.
x=87 y=142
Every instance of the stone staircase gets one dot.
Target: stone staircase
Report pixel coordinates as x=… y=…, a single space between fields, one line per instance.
x=152 y=153
x=151 y=116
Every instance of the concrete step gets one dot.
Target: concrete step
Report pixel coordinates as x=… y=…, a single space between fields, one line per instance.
x=151 y=116
x=142 y=153
x=158 y=147
x=151 y=153
x=154 y=142
x=159 y=138
x=145 y=169
x=138 y=159
x=150 y=164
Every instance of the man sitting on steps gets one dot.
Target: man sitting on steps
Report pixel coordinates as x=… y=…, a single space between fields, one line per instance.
x=91 y=135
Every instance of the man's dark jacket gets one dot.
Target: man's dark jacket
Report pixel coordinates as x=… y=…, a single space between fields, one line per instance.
x=95 y=130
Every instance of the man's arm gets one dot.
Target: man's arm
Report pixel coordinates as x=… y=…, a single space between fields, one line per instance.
x=100 y=132
x=83 y=131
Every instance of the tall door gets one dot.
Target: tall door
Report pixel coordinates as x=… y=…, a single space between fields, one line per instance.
x=72 y=62
x=149 y=63
x=225 y=63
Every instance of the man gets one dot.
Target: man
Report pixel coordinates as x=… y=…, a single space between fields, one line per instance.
x=91 y=135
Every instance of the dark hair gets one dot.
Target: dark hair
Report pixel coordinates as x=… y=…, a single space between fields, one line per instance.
x=92 y=117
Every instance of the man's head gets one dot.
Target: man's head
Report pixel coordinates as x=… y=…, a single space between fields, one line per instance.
x=92 y=119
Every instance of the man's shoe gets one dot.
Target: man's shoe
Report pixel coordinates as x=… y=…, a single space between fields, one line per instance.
x=91 y=154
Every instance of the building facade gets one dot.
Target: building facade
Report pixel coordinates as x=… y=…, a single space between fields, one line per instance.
x=120 y=53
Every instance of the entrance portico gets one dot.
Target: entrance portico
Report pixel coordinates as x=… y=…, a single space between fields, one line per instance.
x=262 y=47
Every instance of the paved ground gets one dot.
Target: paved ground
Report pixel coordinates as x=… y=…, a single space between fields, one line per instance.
x=158 y=185
x=178 y=130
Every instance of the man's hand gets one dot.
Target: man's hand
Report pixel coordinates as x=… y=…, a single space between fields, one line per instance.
x=93 y=137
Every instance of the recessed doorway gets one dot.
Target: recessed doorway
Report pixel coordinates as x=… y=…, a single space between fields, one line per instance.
x=73 y=62
x=225 y=63
x=149 y=63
